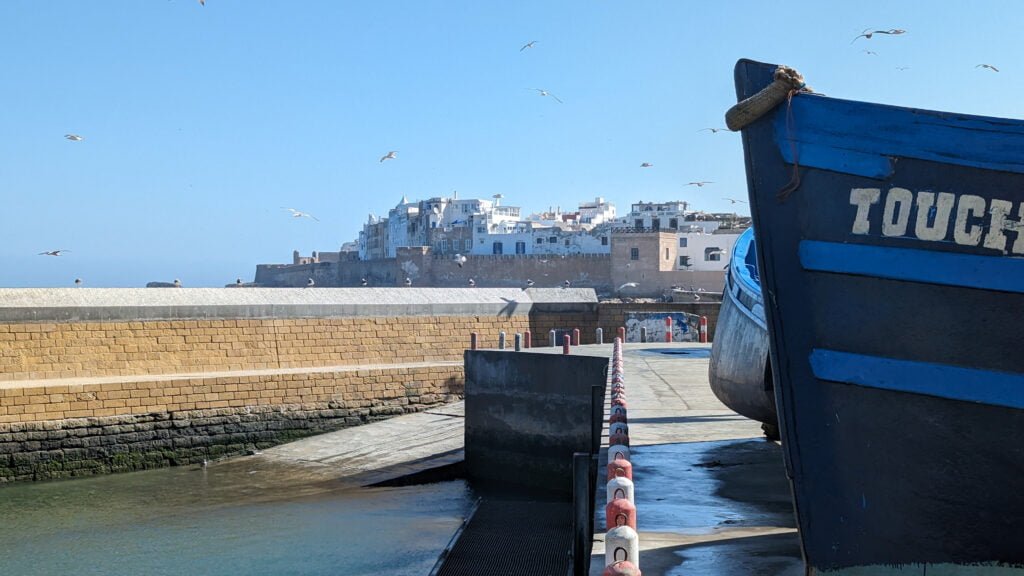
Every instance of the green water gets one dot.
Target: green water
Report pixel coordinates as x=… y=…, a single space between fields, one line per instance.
x=248 y=516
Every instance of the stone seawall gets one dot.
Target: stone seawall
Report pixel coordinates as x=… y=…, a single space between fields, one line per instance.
x=95 y=381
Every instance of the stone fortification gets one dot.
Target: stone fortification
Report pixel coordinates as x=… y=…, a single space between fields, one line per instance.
x=97 y=380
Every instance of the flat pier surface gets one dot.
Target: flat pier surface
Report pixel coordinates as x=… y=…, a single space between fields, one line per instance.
x=711 y=493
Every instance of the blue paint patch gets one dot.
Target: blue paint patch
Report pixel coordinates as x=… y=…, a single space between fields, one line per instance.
x=941 y=380
x=865 y=139
x=1005 y=274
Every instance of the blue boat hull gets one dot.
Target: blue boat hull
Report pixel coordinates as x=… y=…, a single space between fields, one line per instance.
x=894 y=270
x=739 y=371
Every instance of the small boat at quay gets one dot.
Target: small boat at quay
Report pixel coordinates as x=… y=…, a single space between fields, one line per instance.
x=890 y=248
x=739 y=371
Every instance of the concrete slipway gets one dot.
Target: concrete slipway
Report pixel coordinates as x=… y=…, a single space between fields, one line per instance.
x=711 y=493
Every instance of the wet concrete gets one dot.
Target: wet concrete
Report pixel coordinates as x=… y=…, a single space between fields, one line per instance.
x=711 y=493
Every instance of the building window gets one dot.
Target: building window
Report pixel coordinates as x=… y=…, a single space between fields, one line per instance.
x=497 y=248
x=666 y=254
x=553 y=240
x=442 y=245
x=684 y=261
x=481 y=229
x=566 y=241
x=604 y=240
x=655 y=223
x=540 y=240
x=638 y=224
x=469 y=244
x=682 y=242
x=713 y=254
x=634 y=253
x=520 y=247
x=673 y=223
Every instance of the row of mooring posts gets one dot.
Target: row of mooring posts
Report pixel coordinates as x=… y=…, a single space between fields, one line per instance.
x=622 y=544
x=523 y=340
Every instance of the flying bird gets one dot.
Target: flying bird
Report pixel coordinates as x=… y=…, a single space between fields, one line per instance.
x=868 y=33
x=389 y=156
x=310 y=283
x=74 y=137
x=364 y=282
x=472 y=283
x=54 y=252
x=989 y=66
x=699 y=184
x=202 y=2
x=408 y=281
x=460 y=260
x=733 y=200
x=627 y=285
x=528 y=45
x=713 y=130
x=902 y=68
x=300 y=214
x=177 y=283
x=646 y=165
x=546 y=93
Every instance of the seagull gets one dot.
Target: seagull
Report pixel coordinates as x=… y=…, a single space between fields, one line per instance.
x=408 y=281
x=364 y=282
x=238 y=281
x=460 y=260
x=300 y=214
x=202 y=2
x=699 y=184
x=546 y=93
x=902 y=68
x=74 y=137
x=528 y=45
x=989 y=66
x=627 y=285
x=529 y=283
x=177 y=283
x=866 y=34
x=472 y=283
x=389 y=156
x=78 y=281
x=713 y=130
x=566 y=284
x=646 y=165
x=310 y=283
x=870 y=53
x=735 y=201
x=54 y=252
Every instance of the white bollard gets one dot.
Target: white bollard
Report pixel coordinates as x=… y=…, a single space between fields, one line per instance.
x=620 y=487
x=552 y=336
x=621 y=543
x=613 y=450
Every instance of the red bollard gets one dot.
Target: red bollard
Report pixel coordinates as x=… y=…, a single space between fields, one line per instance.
x=472 y=340
x=565 y=344
x=619 y=438
x=620 y=401
x=621 y=568
x=575 y=336
x=620 y=466
x=614 y=512
x=622 y=334
x=668 y=328
x=704 y=329
x=526 y=339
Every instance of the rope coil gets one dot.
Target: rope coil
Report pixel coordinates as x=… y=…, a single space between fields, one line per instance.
x=787 y=81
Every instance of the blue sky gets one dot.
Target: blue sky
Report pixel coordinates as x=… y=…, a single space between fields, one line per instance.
x=201 y=122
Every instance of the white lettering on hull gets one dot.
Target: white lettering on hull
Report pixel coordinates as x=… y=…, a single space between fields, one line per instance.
x=974 y=221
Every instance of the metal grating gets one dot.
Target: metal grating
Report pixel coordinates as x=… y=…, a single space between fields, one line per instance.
x=513 y=537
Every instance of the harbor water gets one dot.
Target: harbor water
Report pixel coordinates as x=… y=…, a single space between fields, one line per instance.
x=244 y=516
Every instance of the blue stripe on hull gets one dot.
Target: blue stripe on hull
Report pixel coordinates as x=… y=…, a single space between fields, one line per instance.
x=941 y=380
x=1005 y=274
